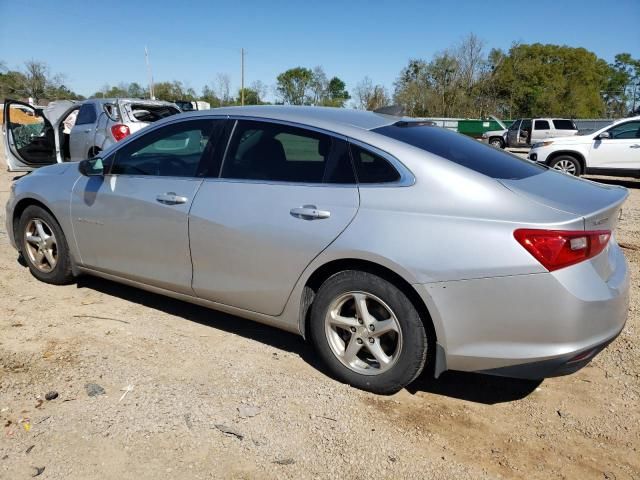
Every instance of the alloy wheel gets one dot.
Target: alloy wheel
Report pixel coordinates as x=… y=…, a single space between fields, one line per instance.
x=566 y=166
x=363 y=333
x=41 y=246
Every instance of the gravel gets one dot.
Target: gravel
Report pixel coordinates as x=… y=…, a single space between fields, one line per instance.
x=220 y=397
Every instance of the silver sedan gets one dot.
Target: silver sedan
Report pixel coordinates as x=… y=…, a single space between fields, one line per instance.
x=393 y=245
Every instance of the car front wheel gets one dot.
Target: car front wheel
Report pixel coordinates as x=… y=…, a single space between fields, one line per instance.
x=567 y=164
x=496 y=142
x=368 y=332
x=44 y=246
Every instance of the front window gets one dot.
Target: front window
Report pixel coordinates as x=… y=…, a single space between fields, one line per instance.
x=625 y=130
x=464 y=151
x=174 y=150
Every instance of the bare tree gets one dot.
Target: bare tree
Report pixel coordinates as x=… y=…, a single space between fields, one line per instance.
x=36 y=79
x=369 y=96
x=223 y=88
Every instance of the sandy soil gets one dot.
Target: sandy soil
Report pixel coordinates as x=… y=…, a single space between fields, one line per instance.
x=192 y=373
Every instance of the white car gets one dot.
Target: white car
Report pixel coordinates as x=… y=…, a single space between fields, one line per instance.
x=521 y=133
x=613 y=150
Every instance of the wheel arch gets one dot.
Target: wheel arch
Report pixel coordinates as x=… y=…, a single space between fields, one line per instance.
x=19 y=209
x=332 y=267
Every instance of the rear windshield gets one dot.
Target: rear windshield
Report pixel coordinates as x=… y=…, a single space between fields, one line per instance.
x=464 y=151
x=151 y=113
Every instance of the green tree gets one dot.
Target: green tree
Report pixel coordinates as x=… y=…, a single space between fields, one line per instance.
x=295 y=86
x=251 y=97
x=336 y=93
x=552 y=80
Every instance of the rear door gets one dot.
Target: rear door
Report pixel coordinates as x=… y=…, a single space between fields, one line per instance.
x=284 y=194
x=564 y=128
x=29 y=138
x=541 y=129
x=133 y=221
x=82 y=133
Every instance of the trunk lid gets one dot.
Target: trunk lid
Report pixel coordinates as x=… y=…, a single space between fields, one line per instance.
x=597 y=203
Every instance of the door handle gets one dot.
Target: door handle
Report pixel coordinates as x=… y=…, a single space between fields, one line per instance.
x=88 y=130
x=635 y=146
x=309 y=212
x=170 y=198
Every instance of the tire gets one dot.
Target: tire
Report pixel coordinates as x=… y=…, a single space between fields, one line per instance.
x=48 y=260
x=343 y=336
x=496 y=142
x=567 y=164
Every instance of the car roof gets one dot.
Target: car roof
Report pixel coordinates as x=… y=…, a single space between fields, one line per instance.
x=320 y=117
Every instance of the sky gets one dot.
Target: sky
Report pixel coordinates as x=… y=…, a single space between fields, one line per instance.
x=96 y=43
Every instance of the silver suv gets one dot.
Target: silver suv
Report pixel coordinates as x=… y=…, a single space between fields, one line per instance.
x=72 y=131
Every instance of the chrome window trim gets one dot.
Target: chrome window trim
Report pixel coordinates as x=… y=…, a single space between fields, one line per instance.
x=150 y=129
x=406 y=179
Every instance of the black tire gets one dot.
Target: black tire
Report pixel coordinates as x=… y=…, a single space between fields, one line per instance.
x=567 y=164
x=61 y=273
x=411 y=350
x=496 y=142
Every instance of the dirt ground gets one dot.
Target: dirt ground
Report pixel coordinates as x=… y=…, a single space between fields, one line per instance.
x=176 y=377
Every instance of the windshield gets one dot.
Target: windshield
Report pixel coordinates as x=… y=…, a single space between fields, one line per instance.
x=464 y=151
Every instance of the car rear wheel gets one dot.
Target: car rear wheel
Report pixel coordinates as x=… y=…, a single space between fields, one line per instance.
x=567 y=164
x=44 y=246
x=368 y=332
x=496 y=142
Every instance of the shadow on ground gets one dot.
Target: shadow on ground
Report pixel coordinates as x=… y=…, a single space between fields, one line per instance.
x=466 y=386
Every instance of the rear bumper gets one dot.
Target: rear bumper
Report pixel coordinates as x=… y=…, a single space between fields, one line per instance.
x=530 y=326
x=555 y=367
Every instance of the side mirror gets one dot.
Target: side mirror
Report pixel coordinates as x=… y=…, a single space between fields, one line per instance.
x=603 y=135
x=92 y=167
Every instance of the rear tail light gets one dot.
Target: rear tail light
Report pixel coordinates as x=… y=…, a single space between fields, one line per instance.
x=119 y=131
x=556 y=249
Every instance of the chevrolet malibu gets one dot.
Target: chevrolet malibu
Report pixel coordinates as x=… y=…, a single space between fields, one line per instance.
x=394 y=246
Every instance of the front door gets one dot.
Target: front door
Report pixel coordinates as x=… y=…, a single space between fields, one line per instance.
x=512 y=133
x=284 y=194
x=620 y=151
x=29 y=137
x=133 y=221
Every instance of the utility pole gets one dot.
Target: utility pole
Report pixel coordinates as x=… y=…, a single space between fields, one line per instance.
x=149 y=73
x=242 y=76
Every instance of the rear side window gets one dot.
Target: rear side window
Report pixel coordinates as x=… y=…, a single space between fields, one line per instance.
x=372 y=168
x=282 y=153
x=87 y=114
x=541 y=125
x=564 y=125
x=464 y=151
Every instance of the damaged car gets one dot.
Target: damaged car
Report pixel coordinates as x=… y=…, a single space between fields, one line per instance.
x=67 y=130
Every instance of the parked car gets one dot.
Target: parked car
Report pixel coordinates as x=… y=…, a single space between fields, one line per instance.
x=100 y=123
x=612 y=150
x=520 y=133
x=392 y=245
x=496 y=138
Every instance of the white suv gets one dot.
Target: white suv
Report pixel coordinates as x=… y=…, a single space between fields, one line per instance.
x=613 y=150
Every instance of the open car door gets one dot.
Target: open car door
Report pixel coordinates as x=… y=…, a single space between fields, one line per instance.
x=29 y=138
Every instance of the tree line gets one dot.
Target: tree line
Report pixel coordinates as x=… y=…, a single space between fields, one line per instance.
x=465 y=80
